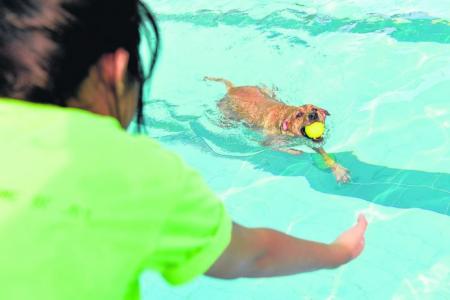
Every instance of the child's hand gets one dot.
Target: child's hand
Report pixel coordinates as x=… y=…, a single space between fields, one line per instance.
x=351 y=243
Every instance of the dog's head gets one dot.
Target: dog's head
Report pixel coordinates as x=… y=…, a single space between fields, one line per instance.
x=305 y=115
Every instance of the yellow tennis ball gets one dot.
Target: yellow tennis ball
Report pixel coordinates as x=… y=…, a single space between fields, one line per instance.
x=315 y=130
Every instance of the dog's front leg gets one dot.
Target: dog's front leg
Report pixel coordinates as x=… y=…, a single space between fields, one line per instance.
x=276 y=143
x=342 y=174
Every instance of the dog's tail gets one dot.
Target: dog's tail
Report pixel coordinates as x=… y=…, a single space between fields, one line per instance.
x=227 y=83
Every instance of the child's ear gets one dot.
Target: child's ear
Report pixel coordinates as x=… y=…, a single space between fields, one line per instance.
x=114 y=68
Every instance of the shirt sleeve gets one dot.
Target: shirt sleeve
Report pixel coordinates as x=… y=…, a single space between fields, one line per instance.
x=195 y=233
x=195 y=228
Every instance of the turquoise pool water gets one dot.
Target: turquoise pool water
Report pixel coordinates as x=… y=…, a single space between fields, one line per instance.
x=382 y=68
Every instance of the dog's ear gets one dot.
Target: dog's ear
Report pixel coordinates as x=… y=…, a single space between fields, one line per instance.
x=285 y=125
x=325 y=112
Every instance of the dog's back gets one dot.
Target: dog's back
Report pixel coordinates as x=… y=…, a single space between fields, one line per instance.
x=248 y=103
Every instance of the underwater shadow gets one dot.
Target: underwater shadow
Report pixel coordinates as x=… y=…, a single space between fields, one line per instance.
x=409 y=27
x=382 y=185
x=378 y=184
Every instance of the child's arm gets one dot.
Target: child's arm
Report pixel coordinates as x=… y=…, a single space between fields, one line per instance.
x=266 y=253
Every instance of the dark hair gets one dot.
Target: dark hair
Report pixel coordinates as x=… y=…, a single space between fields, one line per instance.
x=48 y=46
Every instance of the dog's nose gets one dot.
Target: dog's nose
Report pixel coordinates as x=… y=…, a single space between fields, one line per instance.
x=313 y=116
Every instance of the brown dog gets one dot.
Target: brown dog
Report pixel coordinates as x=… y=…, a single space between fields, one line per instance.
x=282 y=124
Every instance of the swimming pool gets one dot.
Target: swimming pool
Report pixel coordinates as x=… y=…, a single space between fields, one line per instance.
x=382 y=68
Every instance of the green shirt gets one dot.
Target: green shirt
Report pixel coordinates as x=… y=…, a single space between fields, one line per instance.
x=85 y=208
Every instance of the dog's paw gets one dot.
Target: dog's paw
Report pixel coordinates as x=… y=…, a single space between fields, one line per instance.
x=342 y=174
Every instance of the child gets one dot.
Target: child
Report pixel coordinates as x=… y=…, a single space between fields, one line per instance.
x=84 y=207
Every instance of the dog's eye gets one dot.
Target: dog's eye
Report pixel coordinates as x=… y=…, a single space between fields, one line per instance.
x=299 y=114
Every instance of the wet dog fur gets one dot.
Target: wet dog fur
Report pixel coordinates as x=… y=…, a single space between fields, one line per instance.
x=259 y=109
